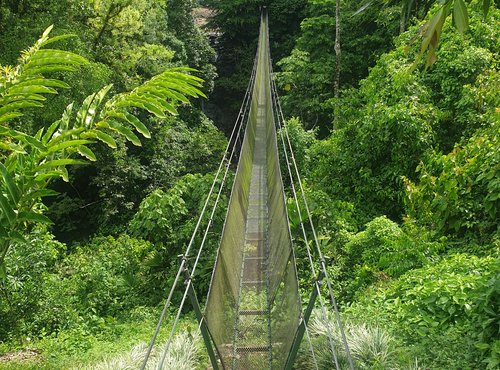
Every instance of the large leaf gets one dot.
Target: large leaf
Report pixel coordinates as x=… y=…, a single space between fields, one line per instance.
x=105 y=138
x=133 y=120
x=19 y=104
x=34 y=217
x=460 y=16
x=141 y=102
x=431 y=33
x=87 y=153
x=12 y=189
x=42 y=82
x=32 y=89
x=21 y=136
x=55 y=56
x=38 y=194
x=88 y=111
x=50 y=131
x=126 y=132
x=59 y=163
x=65 y=145
x=7 y=210
x=8 y=116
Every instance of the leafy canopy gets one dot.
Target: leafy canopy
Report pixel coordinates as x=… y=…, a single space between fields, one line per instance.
x=30 y=162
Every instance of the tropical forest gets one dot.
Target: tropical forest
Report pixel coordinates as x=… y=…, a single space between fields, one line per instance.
x=249 y=184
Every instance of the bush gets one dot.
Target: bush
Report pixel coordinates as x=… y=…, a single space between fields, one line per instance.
x=97 y=281
x=459 y=194
x=454 y=299
x=28 y=264
x=168 y=220
x=383 y=251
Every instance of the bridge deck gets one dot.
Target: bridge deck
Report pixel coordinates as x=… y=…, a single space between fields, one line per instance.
x=252 y=344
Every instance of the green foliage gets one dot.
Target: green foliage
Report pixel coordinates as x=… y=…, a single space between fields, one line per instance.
x=168 y=220
x=307 y=73
x=22 y=289
x=238 y=24
x=31 y=162
x=80 y=293
x=396 y=117
x=458 y=194
x=380 y=253
x=384 y=246
x=126 y=176
x=334 y=221
x=301 y=142
x=364 y=161
x=107 y=275
x=465 y=68
x=432 y=29
x=457 y=296
x=140 y=39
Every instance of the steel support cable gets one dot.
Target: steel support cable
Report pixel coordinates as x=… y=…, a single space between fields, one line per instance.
x=210 y=222
x=320 y=254
x=306 y=239
x=315 y=362
x=236 y=129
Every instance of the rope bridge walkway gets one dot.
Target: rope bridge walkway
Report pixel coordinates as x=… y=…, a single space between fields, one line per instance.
x=253 y=317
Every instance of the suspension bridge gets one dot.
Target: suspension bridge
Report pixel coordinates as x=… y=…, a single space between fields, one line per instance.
x=254 y=317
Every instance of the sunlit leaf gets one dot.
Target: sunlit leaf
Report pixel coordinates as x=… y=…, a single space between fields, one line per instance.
x=87 y=153
x=105 y=138
x=125 y=131
x=13 y=190
x=34 y=217
x=60 y=162
x=6 y=209
x=460 y=16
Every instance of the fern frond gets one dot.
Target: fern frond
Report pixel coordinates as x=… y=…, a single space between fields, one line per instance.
x=25 y=85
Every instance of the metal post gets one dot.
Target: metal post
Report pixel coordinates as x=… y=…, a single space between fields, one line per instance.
x=201 y=320
x=302 y=327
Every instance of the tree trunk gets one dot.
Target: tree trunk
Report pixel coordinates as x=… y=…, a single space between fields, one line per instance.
x=113 y=11
x=402 y=18
x=336 y=81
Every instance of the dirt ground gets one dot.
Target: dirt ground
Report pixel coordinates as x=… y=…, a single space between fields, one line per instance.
x=24 y=355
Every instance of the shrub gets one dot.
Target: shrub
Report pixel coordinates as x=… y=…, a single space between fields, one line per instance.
x=168 y=220
x=95 y=282
x=23 y=288
x=458 y=194
x=446 y=302
x=384 y=250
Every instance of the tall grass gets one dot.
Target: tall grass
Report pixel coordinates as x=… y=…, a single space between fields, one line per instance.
x=371 y=347
x=183 y=354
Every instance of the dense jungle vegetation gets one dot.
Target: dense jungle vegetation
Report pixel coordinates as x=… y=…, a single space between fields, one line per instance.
x=113 y=124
